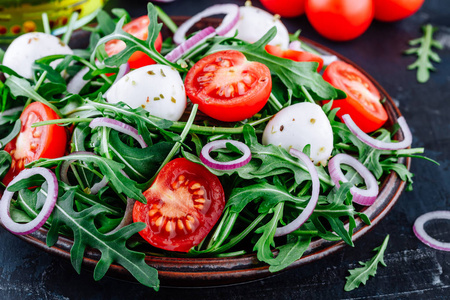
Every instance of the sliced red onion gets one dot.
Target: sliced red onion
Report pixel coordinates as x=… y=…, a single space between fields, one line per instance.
x=228 y=165
x=65 y=168
x=306 y=213
x=232 y=16
x=127 y=216
x=119 y=126
x=77 y=83
x=377 y=144
x=198 y=38
x=364 y=197
x=422 y=235
x=296 y=45
x=50 y=201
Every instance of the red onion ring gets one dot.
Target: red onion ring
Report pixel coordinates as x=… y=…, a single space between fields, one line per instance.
x=306 y=213
x=228 y=165
x=127 y=216
x=119 y=126
x=50 y=201
x=77 y=83
x=364 y=197
x=232 y=16
x=65 y=168
x=377 y=144
x=198 y=38
x=423 y=236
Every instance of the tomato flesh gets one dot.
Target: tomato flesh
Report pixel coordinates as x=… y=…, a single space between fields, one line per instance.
x=295 y=55
x=139 y=29
x=47 y=141
x=363 y=99
x=183 y=204
x=228 y=87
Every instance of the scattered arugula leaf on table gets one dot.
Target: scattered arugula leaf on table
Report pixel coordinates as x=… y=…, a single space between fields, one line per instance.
x=424 y=53
x=361 y=275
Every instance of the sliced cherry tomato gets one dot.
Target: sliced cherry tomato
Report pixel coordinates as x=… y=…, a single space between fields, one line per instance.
x=394 y=10
x=47 y=141
x=138 y=28
x=340 y=20
x=295 y=55
x=227 y=86
x=183 y=204
x=285 y=8
x=363 y=99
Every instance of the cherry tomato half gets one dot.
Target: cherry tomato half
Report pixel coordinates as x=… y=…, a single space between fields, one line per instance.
x=363 y=99
x=227 y=86
x=340 y=20
x=138 y=28
x=47 y=141
x=295 y=55
x=183 y=204
x=285 y=8
x=394 y=10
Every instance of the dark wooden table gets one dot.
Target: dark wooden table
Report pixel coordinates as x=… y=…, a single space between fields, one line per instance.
x=414 y=271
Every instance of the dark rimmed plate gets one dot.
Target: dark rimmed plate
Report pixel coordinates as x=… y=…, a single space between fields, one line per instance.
x=190 y=272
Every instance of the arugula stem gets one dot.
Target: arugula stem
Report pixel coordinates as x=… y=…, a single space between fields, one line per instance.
x=177 y=145
x=274 y=102
x=46 y=23
x=62 y=121
x=166 y=19
x=307 y=94
x=70 y=26
x=37 y=86
x=77 y=176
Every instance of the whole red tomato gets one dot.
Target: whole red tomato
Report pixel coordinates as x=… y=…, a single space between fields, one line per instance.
x=285 y=8
x=394 y=10
x=340 y=20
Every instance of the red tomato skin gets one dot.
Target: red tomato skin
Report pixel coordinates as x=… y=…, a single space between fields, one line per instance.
x=222 y=108
x=395 y=10
x=285 y=8
x=340 y=20
x=160 y=194
x=369 y=117
x=295 y=55
x=47 y=141
x=138 y=28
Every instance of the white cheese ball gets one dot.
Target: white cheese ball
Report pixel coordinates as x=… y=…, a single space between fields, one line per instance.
x=158 y=89
x=27 y=48
x=254 y=23
x=299 y=125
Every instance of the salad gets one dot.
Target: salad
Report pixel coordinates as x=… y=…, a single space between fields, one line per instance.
x=212 y=146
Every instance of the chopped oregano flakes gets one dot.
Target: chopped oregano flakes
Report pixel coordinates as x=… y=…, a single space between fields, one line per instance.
x=361 y=275
x=424 y=53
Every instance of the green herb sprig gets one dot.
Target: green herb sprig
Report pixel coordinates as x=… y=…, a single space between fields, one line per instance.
x=424 y=53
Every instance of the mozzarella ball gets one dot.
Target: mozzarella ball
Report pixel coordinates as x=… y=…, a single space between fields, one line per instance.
x=299 y=125
x=158 y=89
x=254 y=23
x=27 y=48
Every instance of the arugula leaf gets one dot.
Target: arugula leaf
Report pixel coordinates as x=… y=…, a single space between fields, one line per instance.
x=21 y=87
x=5 y=162
x=290 y=252
x=108 y=167
x=14 y=132
x=112 y=247
x=361 y=275
x=293 y=74
x=265 y=241
x=134 y=44
x=424 y=53
x=140 y=164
